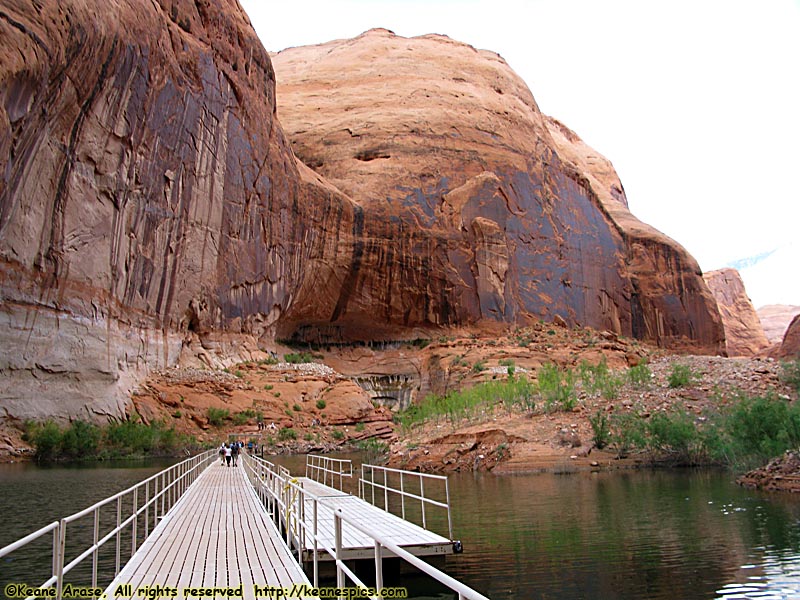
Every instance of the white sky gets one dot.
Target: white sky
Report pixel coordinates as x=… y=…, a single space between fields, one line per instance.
x=696 y=102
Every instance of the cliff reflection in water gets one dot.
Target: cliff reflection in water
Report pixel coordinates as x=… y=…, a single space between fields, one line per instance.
x=663 y=534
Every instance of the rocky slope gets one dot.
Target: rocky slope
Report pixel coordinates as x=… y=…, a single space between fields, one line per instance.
x=775 y=319
x=744 y=335
x=496 y=211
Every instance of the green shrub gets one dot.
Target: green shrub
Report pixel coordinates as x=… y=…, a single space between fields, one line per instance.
x=599 y=379
x=287 y=433
x=459 y=361
x=479 y=366
x=556 y=387
x=216 y=416
x=268 y=387
x=80 y=440
x=675 y=437
x=297 y=407
x=680 y=376
x=338 y=434
x=298 y=357
x=268 y=361
x=791 y=374
x=761 y=428
x=640 y=376
x=321 y=404
x=468 y=403
x=360 y=427
x=601 y=430
x=506 y=362
x=243 y=417
x=628 y=432
x=375 y=451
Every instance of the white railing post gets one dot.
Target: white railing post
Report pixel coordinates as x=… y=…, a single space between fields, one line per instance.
x=337 y=533
x=62 y=546
x=422 y=501
x=449 y=517
x=378 y=566
x=316 y=546
x=134 y=531
x=119 y=540
x=95 y=538
x=56 y=544
x=385 y=491
x=402 y=497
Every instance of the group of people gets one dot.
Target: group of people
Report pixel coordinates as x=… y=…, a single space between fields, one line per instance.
x=229 y=453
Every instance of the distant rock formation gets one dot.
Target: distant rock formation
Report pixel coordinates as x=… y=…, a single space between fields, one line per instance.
x=743 y=333
x=790 y=346
x=494 y=211
x=775 y=319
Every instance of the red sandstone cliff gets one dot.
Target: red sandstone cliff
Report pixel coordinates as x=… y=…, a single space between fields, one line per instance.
x=146 y=192
x=494 y=210
x=744 y=335
x=790 y=346
x=149 y=201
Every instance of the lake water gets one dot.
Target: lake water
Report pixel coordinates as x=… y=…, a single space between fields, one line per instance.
x=616 y=535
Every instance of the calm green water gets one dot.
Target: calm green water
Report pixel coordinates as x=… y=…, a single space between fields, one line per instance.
x=621 y=535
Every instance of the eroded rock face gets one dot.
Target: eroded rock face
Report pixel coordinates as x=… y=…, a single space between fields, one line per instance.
x=146 y=190
x=790 y=346
x=475 y=205
x=150 y=202
x=744 y=335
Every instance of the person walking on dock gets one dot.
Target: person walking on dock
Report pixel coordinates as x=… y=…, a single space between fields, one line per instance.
x=222 y=454
x=228 y=455
x=235 y=452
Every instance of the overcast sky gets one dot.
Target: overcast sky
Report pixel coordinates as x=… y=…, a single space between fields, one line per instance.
x=697 y=103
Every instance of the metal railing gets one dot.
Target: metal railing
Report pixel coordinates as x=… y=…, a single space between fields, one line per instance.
x=148 y=501
x=389 y=482
x=287 y=500
x=323 y=468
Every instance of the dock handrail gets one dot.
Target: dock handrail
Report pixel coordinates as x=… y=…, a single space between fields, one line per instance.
x=289 y=495
x=322 y=466
x=370 y=477
x=167 y=487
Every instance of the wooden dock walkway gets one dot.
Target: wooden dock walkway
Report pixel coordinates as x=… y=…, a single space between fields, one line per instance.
x=355 y=544
x=208 y=530
x=218 y=535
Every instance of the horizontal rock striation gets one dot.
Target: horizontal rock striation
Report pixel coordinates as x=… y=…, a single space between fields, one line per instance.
x=475 y=205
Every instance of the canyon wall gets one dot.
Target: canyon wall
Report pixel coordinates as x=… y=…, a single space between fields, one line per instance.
x=494 y=211
x=150 y=202
x=147 y=193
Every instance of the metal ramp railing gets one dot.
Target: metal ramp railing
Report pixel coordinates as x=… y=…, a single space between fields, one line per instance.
x=286 y=499
x=144 y=504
